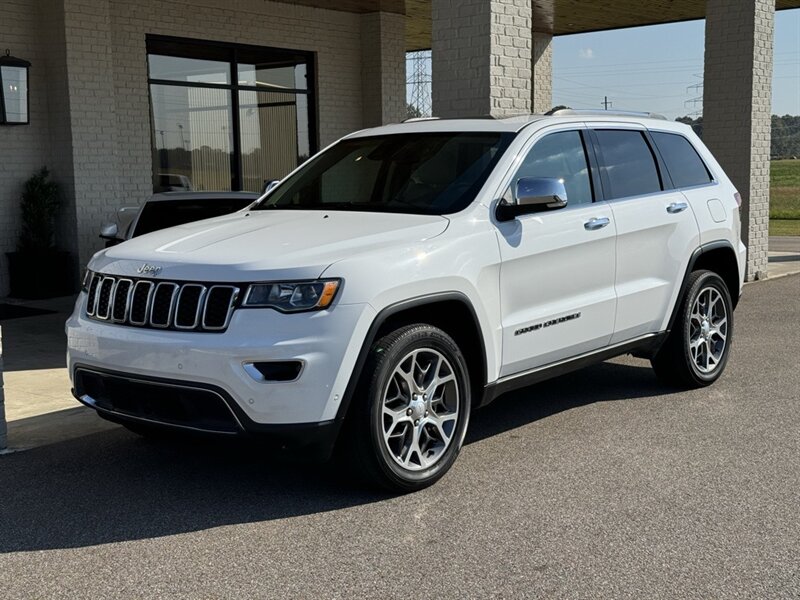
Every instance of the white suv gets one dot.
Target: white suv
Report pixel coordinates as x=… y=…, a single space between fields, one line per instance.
x=409 y=274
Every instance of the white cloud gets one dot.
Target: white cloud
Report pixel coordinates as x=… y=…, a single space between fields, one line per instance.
x=586 y=53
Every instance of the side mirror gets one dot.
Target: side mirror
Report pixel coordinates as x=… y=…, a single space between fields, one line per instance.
x=110 y=233
x=534 y=194
x=268 y=185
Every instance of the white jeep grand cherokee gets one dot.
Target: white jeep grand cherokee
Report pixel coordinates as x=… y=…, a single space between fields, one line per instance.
x=409 y=274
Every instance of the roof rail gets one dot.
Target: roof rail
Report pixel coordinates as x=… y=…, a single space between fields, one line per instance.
x=415 y=119
x=569 y=112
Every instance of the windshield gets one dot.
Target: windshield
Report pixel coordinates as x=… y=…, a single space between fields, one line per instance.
x=422 y=173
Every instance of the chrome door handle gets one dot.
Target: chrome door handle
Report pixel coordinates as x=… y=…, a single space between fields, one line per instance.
x=596 y=223
x=677 y=207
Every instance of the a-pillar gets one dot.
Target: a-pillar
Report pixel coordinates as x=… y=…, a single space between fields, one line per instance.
x=737 y=102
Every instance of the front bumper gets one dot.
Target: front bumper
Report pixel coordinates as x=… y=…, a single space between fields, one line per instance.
x=194 y=408
x=327 y=343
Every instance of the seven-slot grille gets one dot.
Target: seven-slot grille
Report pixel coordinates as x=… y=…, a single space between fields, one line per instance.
x=161 y=304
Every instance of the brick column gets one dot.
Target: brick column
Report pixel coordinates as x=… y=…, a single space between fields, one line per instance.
x=93 y=119
x=3 y=426
x=383 y=68
x=542 y=89
x=487 y=60
x=737 y=102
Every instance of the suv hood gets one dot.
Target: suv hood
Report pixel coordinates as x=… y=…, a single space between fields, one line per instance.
x=265 y=244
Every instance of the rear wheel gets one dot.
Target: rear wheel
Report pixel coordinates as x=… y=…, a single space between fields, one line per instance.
x=697 y=349
x=411 y=411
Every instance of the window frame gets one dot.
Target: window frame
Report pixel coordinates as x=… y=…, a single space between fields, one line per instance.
x=194 y=48
x=665 y=181
x=538 y=135
x=713 y=178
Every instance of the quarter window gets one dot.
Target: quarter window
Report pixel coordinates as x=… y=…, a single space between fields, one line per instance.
x=628 y=163
x=683 y=163
x=562 y=156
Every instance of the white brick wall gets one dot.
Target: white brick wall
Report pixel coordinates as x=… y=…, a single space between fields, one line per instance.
x=486 y=60
x=737 y=102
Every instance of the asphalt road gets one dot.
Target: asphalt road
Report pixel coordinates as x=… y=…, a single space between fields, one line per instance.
x=600 y=484
x=787 y=243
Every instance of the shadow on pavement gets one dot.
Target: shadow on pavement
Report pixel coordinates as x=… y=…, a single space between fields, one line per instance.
x=113 y=486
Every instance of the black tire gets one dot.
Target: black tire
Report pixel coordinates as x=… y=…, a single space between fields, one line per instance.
x=674 y=363
x=363 y=448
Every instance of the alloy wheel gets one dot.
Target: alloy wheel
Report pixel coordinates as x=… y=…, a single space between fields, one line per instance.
x=420 y=409
x=708 y=330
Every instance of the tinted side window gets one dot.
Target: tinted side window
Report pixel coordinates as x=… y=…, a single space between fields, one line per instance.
x=628 y=163
x=684 y=164
x=560 y=155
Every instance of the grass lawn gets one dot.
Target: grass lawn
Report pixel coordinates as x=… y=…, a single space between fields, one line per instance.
x=784 y=202
x=784 y=226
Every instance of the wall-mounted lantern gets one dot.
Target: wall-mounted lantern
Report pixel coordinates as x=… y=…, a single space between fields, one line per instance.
x=13 y=90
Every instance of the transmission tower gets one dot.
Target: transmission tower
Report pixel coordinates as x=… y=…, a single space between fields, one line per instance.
x=695 y=103
x=418 y=82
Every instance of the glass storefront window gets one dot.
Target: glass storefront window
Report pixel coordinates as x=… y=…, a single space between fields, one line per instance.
x=193 y=129
x=212 y=133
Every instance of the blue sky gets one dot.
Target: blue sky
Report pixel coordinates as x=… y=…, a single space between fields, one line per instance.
x=659 y=68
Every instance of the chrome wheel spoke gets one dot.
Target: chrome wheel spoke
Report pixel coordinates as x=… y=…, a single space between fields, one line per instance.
x=708 y=330
x=420 y=409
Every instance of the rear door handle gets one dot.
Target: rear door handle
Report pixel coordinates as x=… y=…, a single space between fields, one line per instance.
x=677 y=207
x=596 y=223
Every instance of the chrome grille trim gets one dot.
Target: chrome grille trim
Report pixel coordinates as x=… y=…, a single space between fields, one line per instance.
x=112 y=310
x=103 y=291
x=147 y=302
x=171 y=309
x=231 y=303
x=198 y=310
x=91 y=300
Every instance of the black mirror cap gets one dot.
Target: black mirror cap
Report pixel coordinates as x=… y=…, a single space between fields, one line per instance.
x=507 y=211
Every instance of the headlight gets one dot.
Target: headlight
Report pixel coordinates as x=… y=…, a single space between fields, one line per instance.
x=293 y=296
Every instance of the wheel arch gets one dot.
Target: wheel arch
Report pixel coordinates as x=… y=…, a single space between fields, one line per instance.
x=719 y=257
x=450 y=311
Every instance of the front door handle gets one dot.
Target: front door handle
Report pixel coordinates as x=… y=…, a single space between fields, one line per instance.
x=596 y=223
x=677 y=207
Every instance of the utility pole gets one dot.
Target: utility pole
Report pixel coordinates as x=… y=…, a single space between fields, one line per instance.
x=606 y=103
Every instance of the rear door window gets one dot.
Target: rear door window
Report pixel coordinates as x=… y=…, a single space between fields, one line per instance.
x=685 y=166
x=628 y=163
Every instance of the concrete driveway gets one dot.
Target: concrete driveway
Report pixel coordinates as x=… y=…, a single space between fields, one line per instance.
x=600 y=484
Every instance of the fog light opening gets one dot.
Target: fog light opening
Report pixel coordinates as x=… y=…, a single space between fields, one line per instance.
x=280 y=371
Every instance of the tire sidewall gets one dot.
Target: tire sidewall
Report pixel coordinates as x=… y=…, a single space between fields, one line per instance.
x=417 y=338
x=705 y=280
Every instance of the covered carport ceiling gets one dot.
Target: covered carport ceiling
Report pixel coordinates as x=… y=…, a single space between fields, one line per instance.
x=559 y=17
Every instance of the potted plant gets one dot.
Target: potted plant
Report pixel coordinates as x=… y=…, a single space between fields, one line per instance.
x=37 y=269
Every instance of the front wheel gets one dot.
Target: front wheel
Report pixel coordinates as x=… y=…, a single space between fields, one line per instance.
x=697 y=349
x=411 y=412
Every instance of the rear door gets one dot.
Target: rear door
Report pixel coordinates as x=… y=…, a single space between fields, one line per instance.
x=557 y=272
x=656 y=228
